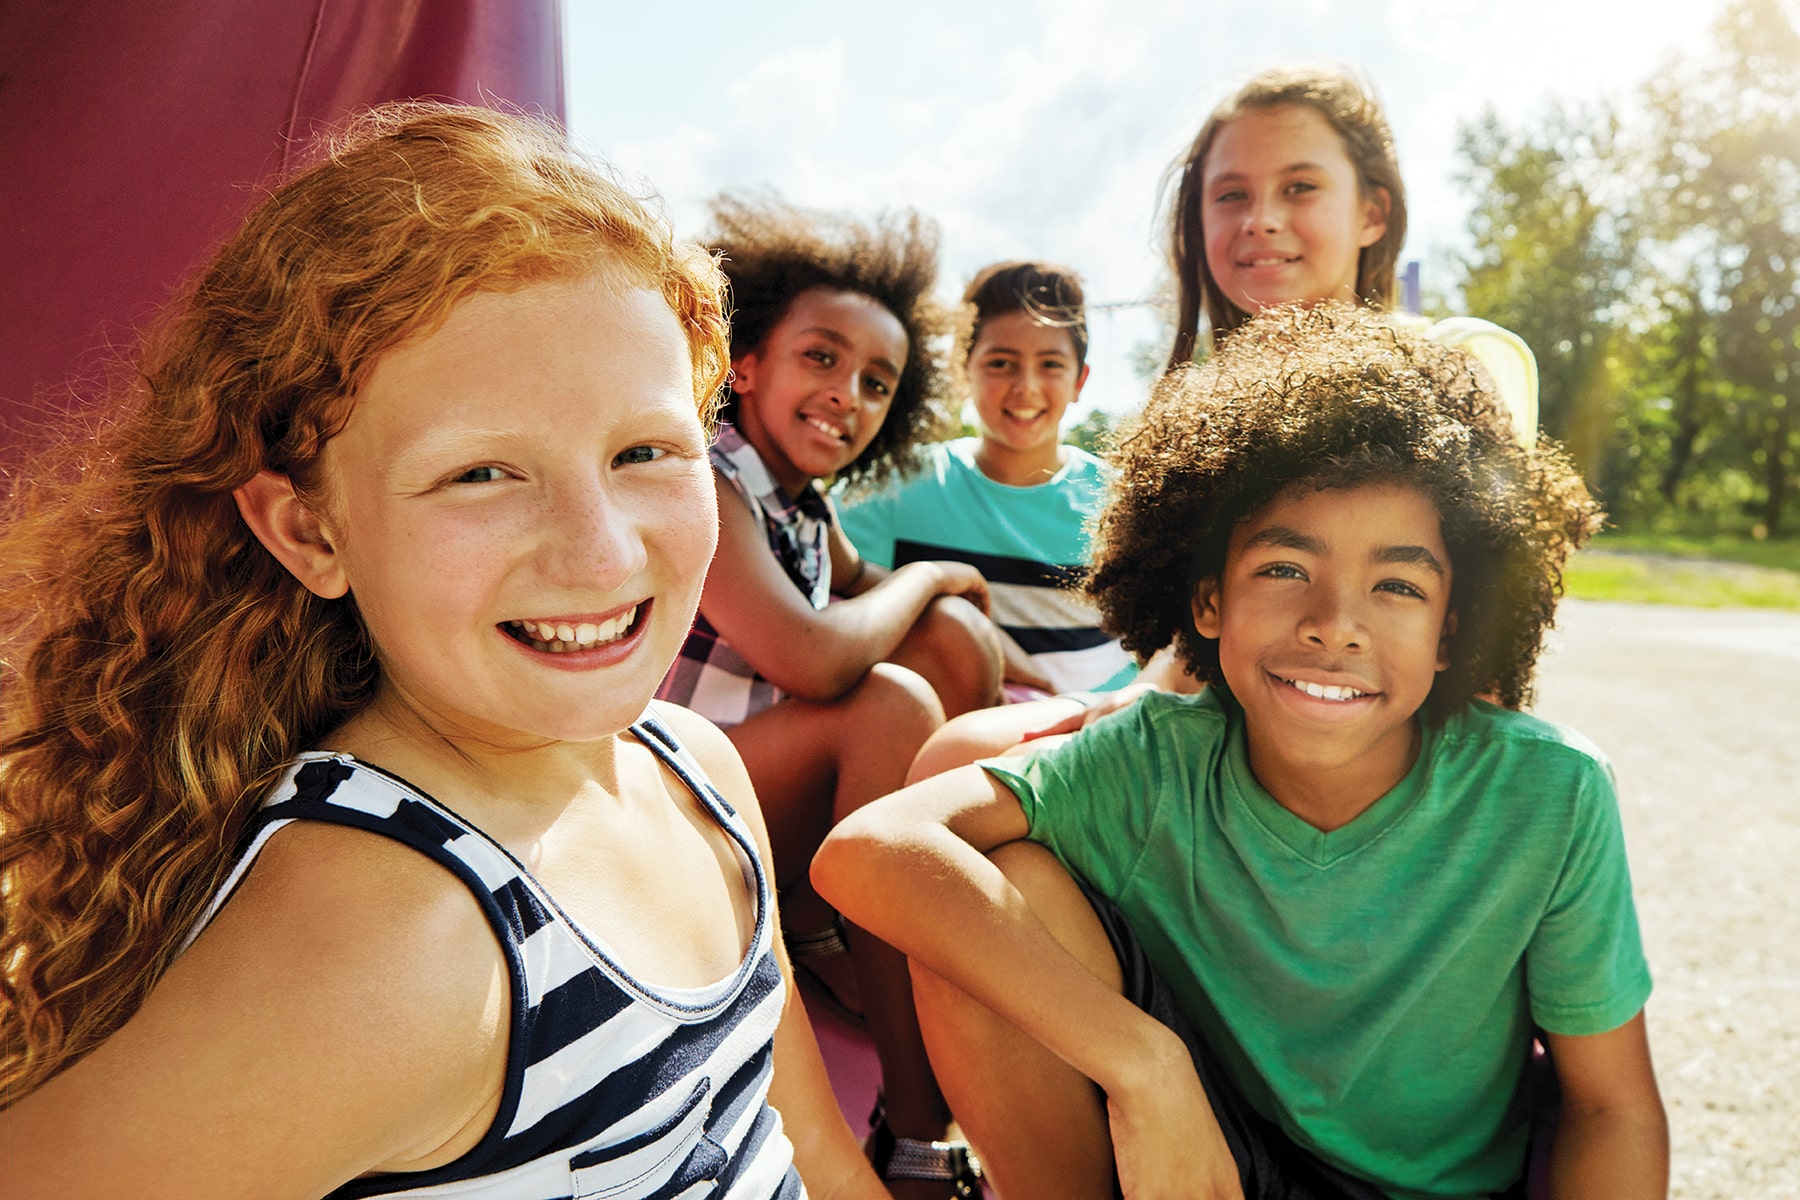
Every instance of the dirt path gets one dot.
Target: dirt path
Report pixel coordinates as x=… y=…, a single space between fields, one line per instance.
x=1699 y=710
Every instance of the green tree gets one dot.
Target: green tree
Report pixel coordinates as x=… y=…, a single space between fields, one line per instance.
x=1092 y=433
x=1726 y=202
x=1554 y=250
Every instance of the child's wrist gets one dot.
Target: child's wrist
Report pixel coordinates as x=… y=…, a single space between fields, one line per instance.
x=1140 y=1067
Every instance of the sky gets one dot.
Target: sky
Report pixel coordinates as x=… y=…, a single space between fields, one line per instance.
x=1042 y=128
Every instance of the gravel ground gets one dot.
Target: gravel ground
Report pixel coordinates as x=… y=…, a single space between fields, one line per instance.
x=1698 y=710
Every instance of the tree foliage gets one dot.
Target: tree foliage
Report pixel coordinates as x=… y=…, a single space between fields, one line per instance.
x=1651 y=258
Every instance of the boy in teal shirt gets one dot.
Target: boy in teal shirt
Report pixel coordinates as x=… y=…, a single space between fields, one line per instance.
x=1014 y=502
x=1297 y=929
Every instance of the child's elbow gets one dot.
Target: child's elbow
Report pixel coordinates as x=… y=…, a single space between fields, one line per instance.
x=846 y=858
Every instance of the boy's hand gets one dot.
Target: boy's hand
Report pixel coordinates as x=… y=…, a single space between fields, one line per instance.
x=1108 y=702
x=1167 y=1144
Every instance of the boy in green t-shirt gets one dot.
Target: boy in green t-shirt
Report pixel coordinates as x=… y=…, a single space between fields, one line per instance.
x=1299 y=928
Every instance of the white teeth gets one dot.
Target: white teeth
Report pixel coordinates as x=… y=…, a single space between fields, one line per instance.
x=1324 y=691
x=559 y=637
x=826 y=428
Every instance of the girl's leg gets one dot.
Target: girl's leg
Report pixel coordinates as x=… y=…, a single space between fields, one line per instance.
x=955 y=649
x=1038 y=1124
x=987 y=733
x=814 y=764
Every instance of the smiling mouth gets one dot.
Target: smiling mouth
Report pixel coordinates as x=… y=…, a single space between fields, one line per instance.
x=1324 y=691
x=1268 y=260
x=564 y=637
x=827 y=428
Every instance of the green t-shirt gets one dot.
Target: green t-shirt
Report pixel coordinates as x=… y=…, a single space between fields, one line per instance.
x=1371 y=989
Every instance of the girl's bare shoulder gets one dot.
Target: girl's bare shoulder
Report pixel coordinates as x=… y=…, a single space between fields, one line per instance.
x=345 y=1011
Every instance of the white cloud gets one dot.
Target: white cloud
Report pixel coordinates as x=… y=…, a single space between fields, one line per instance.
x=1042 y=127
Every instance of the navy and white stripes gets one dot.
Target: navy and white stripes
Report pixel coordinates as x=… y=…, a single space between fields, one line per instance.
x=613 y=1089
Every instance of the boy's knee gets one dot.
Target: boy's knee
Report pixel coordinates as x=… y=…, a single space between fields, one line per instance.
x=955 y=646
x=989 y=733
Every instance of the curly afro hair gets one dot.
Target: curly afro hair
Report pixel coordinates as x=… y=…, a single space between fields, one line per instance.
x=774 y=250
x=1336 y=397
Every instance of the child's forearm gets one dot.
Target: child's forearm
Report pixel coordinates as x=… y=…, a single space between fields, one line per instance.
x=1616 y=1154
x=855 y=634
x=919 y=879
x=938 y=899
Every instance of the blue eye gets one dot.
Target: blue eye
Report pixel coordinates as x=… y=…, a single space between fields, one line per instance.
x=486 y=473
x=638 y=454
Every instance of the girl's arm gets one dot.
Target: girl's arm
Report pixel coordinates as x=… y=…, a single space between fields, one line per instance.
x=345 y=1012
x=1612 y=1139
x=912 y=869
x=816 y=654
x=825 y=1151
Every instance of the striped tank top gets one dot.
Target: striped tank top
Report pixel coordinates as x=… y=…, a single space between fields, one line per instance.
x=613 y=1089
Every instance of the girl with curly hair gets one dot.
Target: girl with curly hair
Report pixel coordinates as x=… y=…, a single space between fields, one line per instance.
x=1298 y=929
x=342 y=849
x=833 y=375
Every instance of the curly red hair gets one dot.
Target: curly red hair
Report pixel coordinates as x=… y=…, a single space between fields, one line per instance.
x=159 y=664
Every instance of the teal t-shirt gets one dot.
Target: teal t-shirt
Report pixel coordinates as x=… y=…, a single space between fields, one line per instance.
x=1371 y=989
x=1031 y=543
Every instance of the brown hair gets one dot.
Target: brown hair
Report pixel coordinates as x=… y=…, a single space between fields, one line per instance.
x=1348 y=104
x=772 y=251
x=1048 y=293
x=1336 y=396
x=160 y=666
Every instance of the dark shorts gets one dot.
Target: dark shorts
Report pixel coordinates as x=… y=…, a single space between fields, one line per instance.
x=1270 y=1165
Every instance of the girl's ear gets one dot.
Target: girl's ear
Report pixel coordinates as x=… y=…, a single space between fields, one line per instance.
x=1375 y=216
x=1081 y=380
x=293 y=533
x=1206 y=608
x=743 y=373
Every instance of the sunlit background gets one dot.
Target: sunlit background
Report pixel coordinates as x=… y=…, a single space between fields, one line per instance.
x=1042 y=129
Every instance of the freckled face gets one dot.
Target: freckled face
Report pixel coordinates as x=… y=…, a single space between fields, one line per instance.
x=1331 y=618
x=814 y=394
x=523 y=509
x=1284 y=217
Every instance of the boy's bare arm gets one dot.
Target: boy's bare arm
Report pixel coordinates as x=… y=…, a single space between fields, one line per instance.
x=816 y=654
x=1613 y=1137
x=912 y=869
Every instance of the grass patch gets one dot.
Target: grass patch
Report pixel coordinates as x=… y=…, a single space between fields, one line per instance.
x=1780 y=554
x=1701 y=572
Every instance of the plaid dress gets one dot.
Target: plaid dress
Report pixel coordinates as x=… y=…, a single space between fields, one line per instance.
x=709 y=676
